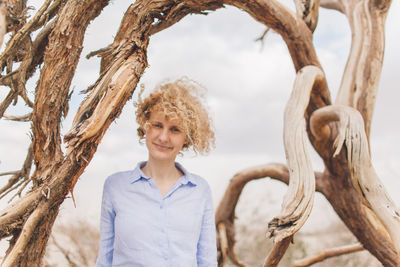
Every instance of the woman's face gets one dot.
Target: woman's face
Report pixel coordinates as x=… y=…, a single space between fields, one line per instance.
x=164 y=138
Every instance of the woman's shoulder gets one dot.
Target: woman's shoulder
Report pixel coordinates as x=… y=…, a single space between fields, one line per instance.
x=119 y=179
x=198 y=180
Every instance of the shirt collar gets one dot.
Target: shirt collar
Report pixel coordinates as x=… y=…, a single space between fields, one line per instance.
x=138 y=174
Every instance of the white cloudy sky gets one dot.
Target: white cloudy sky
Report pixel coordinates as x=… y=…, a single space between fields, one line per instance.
x=248 y=86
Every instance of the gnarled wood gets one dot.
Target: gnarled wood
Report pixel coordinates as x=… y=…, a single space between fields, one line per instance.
x=298 y=201
x=277 y=252
x=363 y=69
x=363 y=176
x=225 y=212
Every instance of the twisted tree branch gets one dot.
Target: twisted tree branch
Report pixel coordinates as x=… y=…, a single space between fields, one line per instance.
x=363 y=176
x=298 y=201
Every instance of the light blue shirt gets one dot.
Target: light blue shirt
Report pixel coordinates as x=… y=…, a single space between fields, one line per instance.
x=139 y=227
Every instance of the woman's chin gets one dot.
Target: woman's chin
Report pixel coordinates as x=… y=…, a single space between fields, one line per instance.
x=163 y=155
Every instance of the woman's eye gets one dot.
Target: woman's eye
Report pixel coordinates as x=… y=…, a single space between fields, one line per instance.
x=156 y=125
x=175 y=129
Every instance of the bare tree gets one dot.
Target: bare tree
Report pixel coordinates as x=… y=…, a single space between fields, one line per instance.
x=339 y=132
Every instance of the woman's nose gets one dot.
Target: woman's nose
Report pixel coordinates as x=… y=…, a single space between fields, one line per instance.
x=163 y=135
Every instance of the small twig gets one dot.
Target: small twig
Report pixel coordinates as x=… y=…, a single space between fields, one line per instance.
x=24 y=118
x=15 y=181
x=20 y=182
x=49 y=14
x=7 y=102
x=9 y=173
x=20 y=189
x=95 y=53
x=13 y=184
x=262 y=37
x=334 y=252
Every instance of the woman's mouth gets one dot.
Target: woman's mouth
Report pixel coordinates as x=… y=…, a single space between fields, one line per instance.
x=162 y=147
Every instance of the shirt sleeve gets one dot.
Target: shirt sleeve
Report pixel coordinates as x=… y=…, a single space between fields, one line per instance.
x=207 y=245
x=106 y=249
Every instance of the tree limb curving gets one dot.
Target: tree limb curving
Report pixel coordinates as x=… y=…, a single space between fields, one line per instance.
x=298 y=201
x=360 y=81
x=332 y=4
x=334 y=252
x=225 y=212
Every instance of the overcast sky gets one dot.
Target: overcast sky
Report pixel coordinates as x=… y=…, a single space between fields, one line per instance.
x=248 y=87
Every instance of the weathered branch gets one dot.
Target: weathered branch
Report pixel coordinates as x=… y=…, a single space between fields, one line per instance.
x=361 y=76
x=3 y=21
x=12 y=259
x=12 y=217
x=225 y=212
x=17 y=175
x=363 y=176
x=30 y=62
x=332 y=4
x=7 y=102
x=277 y=252
x=334 y=252
x=22 y=33
x=49 y=13
x=298 y=201
x=23 y=118
x=308 y=10
x=54 y=173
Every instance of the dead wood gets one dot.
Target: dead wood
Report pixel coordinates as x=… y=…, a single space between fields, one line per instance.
x=329 y=253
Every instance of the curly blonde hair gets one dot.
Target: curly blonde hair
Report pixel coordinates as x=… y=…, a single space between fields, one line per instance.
x=179 y=100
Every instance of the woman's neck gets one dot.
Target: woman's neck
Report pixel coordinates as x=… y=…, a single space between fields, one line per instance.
x=161 y=170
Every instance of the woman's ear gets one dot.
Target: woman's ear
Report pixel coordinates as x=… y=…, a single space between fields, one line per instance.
x=187 y=143
x=141 y=132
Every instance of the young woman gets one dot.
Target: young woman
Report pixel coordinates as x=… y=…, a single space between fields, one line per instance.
x=159 y=214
